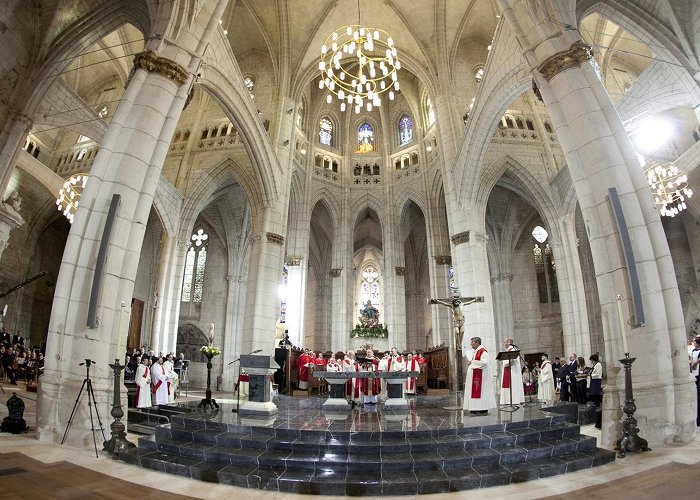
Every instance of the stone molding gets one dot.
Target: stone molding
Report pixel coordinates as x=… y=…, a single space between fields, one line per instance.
x=400 y=271
x=460 y=238
x=24 y=119
x=275 y=238
x=574 y=56
x=501 y=277
x=256 y=238
x=443 y=260
x=293 y=260
x=335 y=273
x=149 y=61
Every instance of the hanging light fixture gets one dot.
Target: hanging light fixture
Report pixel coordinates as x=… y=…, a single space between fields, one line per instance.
x=669 y=187
x=69 y=195
x=358 y=64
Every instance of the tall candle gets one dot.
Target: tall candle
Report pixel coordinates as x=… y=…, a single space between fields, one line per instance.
x=120 y=350
x=622 y=324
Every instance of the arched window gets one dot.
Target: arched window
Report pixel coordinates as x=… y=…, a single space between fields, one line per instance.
x=370 y=289
x=325 y=131
x=365 y=138
x=429 y=111
x=103 y=111
x=249 y=83
x=451 y=284
x=479 y=74
x=405 y=130
x=545 y=267
x=195 y=262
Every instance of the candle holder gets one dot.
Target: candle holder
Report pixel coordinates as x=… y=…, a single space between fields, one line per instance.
x=118 y=441
x=208 y=401
x=630 y=440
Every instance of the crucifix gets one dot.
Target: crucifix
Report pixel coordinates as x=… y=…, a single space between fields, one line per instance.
x=455 y=304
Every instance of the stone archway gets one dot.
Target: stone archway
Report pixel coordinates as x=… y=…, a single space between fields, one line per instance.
x=190 y=340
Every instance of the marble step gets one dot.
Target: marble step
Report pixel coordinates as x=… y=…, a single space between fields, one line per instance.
x=430 y=479
x=376 y=459
x=368 y=442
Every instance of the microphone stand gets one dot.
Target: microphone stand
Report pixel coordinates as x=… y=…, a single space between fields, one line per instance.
x=238 y=386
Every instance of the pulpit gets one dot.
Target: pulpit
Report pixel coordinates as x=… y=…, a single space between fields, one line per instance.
x=260 y=368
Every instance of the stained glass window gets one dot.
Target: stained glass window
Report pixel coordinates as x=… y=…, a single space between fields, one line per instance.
x=365 y=138
x=545 y=267
x=479 y=75
x=370 y=288
x=451 y=280
x=195 y=263
x=283 y=294
x=430 y=112
x=325 y=132
x=103 y=111
x=405 y=130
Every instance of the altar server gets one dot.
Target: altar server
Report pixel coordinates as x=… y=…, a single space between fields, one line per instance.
x=143 y=384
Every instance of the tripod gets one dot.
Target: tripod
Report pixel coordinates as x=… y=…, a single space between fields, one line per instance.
x=91 y=401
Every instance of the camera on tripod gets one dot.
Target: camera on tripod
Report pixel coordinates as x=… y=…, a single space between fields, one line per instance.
x=88 y=362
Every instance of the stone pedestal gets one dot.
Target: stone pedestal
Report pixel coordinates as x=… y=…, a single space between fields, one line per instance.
x=260 y=368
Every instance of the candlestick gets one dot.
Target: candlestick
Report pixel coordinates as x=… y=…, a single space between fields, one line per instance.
x=622 y=324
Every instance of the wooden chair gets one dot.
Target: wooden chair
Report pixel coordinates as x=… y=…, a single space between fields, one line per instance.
x=314 y=383
x=441 y=378
x=422 y=380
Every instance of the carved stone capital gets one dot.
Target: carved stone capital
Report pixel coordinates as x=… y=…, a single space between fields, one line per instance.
x=501 y=277
x=460 y=238
x=275 y=238
x=335 y=273
x=149 y=61
x=443 y=260
x=24 y=120
x=293 y=260
x=256 y=238
x=400 y=271
x=574 y=56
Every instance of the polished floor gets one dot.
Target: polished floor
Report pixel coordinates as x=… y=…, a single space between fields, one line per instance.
x=624 y=472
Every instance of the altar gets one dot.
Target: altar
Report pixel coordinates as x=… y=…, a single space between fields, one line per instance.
x=337 y=381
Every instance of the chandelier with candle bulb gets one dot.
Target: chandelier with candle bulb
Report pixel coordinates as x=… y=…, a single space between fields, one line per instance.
x=669 y=187
x=358 y=65
x=69 y=195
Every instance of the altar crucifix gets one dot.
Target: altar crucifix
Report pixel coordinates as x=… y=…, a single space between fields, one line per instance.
x=455 y=303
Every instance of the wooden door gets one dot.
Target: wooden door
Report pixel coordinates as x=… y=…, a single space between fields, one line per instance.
x=134 y=338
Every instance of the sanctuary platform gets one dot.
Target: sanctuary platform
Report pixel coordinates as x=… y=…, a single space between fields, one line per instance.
x=431 y=448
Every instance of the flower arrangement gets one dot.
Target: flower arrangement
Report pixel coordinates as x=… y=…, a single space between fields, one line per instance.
x=375 y=331
x=210 y=350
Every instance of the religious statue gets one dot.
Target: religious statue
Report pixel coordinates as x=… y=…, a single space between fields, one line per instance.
x=457 y=316
x=211 y=334
x=369 y=315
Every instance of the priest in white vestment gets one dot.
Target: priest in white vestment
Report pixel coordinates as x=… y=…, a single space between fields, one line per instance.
x=143 y=384
x=512 y=377
x=159 y=381
x=478 y=390
x=172 y=377
x=545 y=382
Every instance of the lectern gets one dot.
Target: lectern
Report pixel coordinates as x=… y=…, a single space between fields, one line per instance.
x=259 y=368
x=509 y=356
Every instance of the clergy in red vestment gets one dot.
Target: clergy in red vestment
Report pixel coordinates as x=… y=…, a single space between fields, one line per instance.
x=303 y=366
x=159 y=381
x=478 y=389
x=411 y=366
x=352 y=388
x=372 y=365
x=143 y=384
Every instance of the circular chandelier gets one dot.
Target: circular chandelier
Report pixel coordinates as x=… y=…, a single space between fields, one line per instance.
x=669 y=187
x=69 y=195
x=357 y=65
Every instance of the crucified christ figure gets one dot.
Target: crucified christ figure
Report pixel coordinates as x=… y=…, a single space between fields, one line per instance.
x=455 y=304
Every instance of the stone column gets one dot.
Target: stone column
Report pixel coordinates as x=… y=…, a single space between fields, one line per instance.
x=503 y=309
x=600 y=156
x=15 y=130
x=128 y=164
x=9 y=220
x=439 y=288
x=232 y=332
x=296 y=297
x=340 y=280
x=262 y=298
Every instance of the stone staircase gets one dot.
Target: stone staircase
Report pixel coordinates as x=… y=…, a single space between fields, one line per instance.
x=367 y=463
